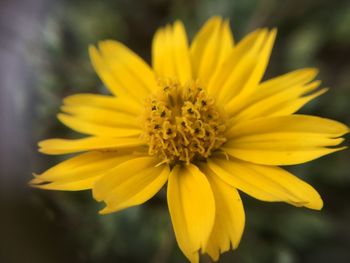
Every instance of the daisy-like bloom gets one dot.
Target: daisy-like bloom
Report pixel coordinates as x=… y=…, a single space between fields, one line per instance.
x=201 y=120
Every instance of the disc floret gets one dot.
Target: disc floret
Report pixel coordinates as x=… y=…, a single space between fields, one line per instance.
x=182 y=124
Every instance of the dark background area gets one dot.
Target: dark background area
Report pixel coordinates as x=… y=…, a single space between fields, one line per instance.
x=43 y=57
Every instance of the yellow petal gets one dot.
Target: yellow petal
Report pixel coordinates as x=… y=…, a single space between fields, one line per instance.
x=192 y=209
x=250 y=43
x=297 y=78
x=130 y=183
x=251 y=75
x=104 y=72
x=104 y=102
x=111 y=180
x=93 y=128
x=280 y=156
x=65 y=146
x=135 y=76
x=285 y=102
x=79 y=172
x=266 y=183
x=170 y=53
x=229 y=217
x=159 y=48
x=284 y=140
x=210 y=47
x=293 y=123
x=102 y=116
x=294 y=105
x=281 y=95
x=243 y=67
x=122 y=70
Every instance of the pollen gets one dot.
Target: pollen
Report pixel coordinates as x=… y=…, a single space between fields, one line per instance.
x=182 y=124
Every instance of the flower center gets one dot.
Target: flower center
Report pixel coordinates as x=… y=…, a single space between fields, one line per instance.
x=182 y=124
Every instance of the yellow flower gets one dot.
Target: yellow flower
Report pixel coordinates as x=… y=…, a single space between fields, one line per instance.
x=201 y=119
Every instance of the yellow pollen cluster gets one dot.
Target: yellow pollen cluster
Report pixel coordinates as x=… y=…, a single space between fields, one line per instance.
x=181 y=123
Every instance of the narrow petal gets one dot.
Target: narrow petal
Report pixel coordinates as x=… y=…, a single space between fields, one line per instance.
x=122 y=70
x=170 y=53
x=251 y=43
x=65 y=146
x=284 y=140
x=280 y=156
x=133 y=73
x=106 y=75
x=244 y=81
x=104 y=102
x=243 y=69
x=210 y=47
x=130 y=183
x=282 y=95
x=102 y=116
x=92 y=121
x=192 y=209
x=229 y=217
x=293 y=123
x=297 y=78
x=266 y=183
x=294 y=105
x=285 y=102
x=79 y=172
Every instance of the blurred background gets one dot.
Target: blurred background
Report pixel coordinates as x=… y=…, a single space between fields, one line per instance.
x=43 y=58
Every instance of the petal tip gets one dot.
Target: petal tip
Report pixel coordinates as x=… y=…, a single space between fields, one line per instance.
x=104 y=211
x=316 y=205
x=34 y=181
x=92 y=51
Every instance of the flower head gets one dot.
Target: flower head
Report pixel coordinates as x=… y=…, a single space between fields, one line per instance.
x=201 y=119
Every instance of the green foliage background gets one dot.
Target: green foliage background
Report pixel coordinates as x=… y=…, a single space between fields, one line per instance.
x=65 y=227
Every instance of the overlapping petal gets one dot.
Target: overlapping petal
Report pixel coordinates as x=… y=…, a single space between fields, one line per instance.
x=130 y=183
x=280 y=96
x=104 y=144
x=209 y=48
x=229 y=217
x=192 y=209
x=170 y=53
x=240 y=73
x=104 y=102
x=79 y=172
x=292 y=80
x=122 y=71
x=266 y=183
x=101 y=115
x=85 y=124
x=284 y=140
